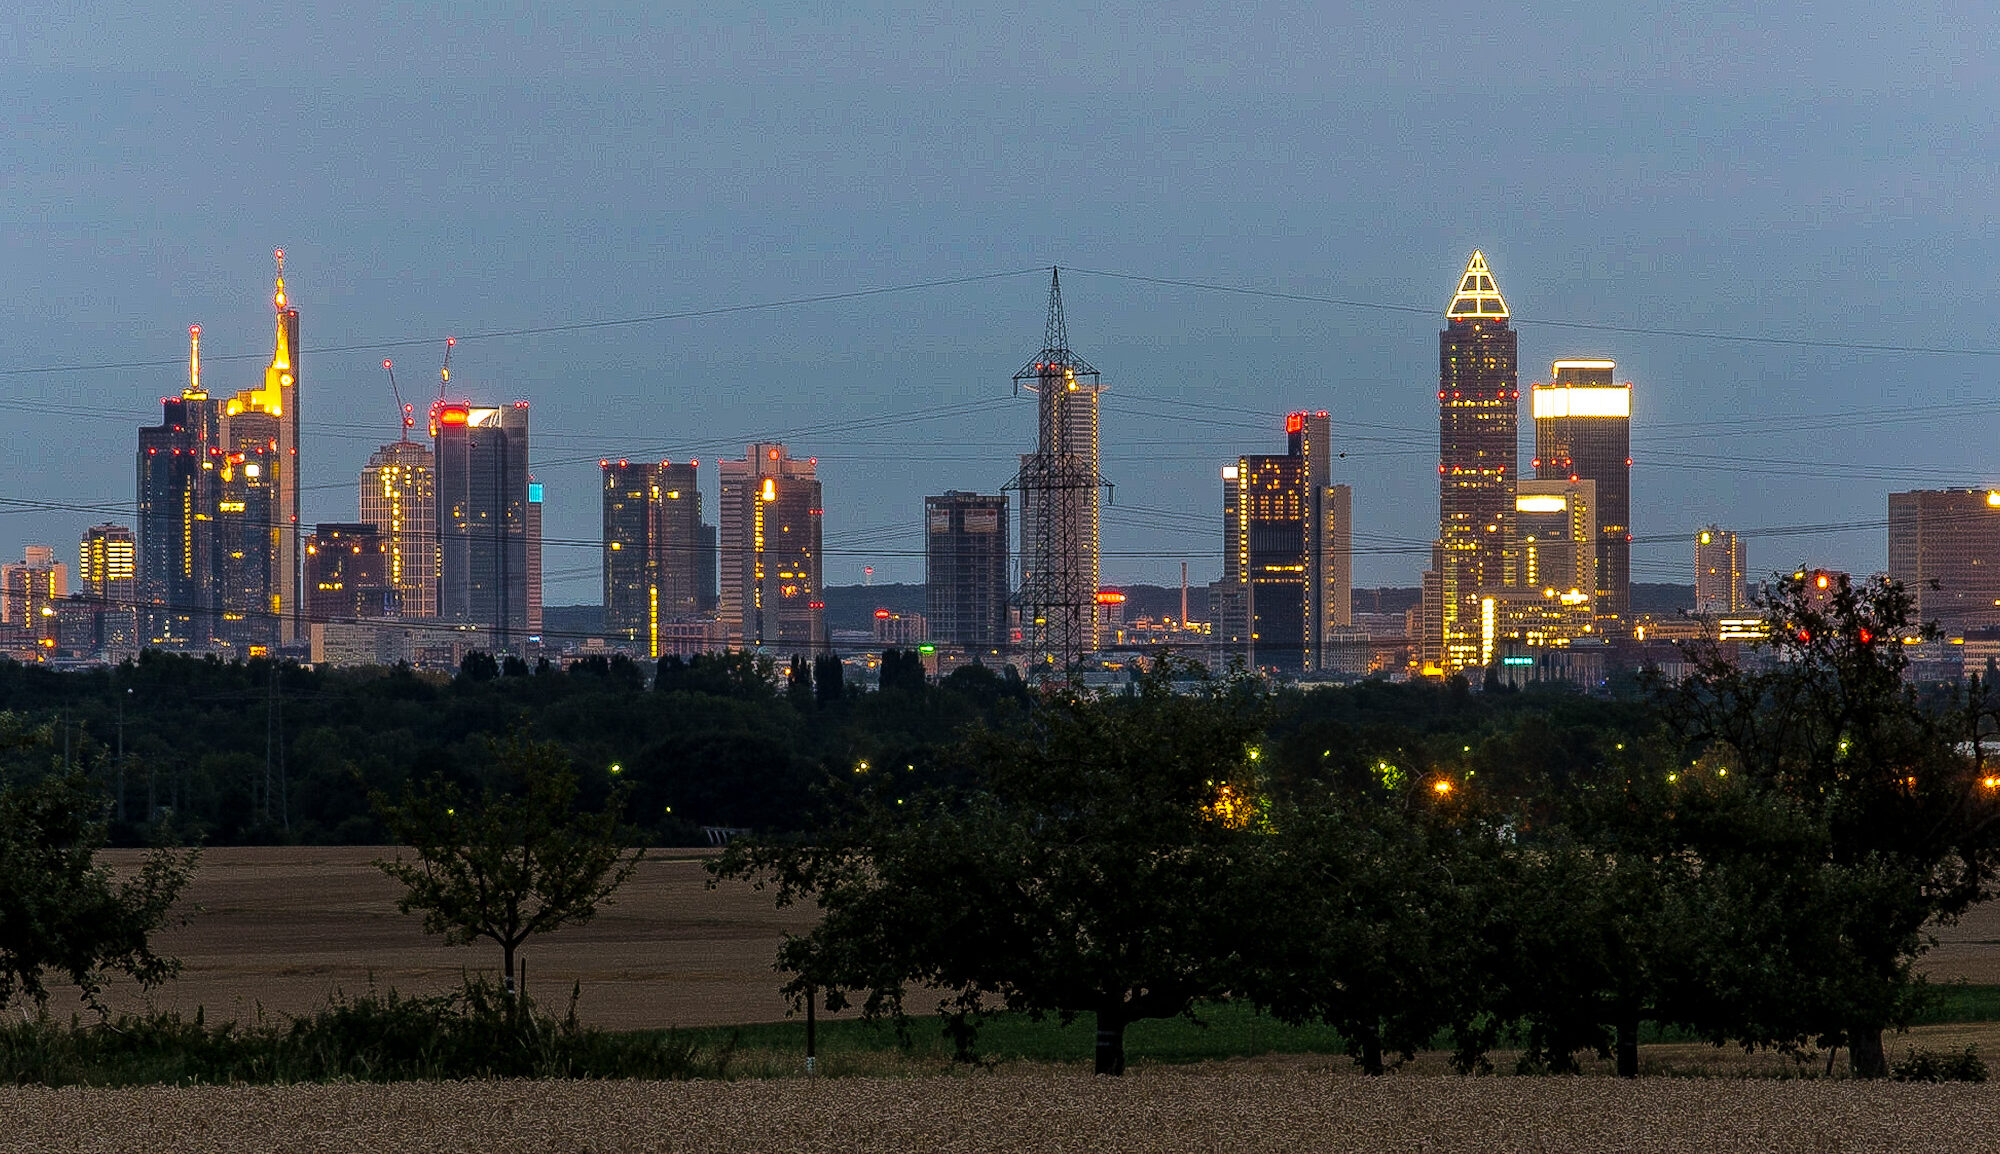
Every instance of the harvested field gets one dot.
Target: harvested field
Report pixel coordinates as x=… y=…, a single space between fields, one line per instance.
x=1275 y=1106
x=282 y=928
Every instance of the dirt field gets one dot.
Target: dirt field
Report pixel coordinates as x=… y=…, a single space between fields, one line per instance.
x=1262 y=1106
x=281 y=928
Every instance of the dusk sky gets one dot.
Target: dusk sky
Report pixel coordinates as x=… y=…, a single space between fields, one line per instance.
x=1821 y=174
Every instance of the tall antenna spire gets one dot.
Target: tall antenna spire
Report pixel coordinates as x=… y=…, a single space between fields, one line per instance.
x=278 y=294
x=194 y=360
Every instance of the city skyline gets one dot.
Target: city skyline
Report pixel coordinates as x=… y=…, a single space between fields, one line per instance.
x=1745 y=173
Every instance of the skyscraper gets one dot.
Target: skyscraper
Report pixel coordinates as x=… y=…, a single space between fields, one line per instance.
x=347 y=573
x=1287 y=558
x=1583 y=430
x=107 y=579
x=178 y=491
x=1718 y=572
x=399 y=497
x=1059 y=484
x=30 y=590
x=534 y=558
x=965 y=569
x=482 y=494
x=1944 y=546
x=107 y=569
x=1478 y=433
x=770 y=551
x=652 y=548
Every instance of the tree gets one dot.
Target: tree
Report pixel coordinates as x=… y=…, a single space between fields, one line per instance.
x=1894 y=819
x=61 y=912
x=513 y=862
x=1093 y=864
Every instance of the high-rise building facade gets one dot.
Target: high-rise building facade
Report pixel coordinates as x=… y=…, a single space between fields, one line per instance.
x=1718 y=572
x=399 y=498
x=482 y=517
x=218 y=548
x=965 y=569
x=1944 y=546
x=1583 y=430
x=770 y=551
x=178 y=489
x=348 y=573
x=1059 y=485
x=107 y=568
x=31 y=589
x=534 y=558
x=1554 y=561
x=1287 y=553
x=1478 y=433
x=652 y=548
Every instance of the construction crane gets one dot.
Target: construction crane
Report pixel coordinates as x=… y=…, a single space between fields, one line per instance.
x=444 y=383
x=407 y=412
x=444 y=374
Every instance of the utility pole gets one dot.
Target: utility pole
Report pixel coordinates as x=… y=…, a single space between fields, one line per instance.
x=1058 y=484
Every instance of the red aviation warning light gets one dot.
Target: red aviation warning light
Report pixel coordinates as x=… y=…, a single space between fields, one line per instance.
x=1295 y=422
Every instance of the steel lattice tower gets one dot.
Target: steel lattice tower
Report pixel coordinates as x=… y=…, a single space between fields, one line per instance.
x=1058 y=484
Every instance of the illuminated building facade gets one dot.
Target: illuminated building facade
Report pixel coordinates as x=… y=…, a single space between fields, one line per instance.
x=348 y=573
x=1287 y=556
x=534 y=558
x=965 y=569
x=178 y=490
x=652 y=548
x=770 y=551
x=1058 y=483
x=1478 y=433
x=1552 y=602
x=1718 y=572
x=1583 y=430
x=399 y=497
x=31 y=589
x=1950 y=539
x=107 y=567
x=482 y=518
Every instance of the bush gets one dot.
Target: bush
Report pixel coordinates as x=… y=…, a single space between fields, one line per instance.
x=1931 y=1066
x=472 y=1032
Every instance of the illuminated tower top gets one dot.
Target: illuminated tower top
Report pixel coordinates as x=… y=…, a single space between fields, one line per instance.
x=1478 y=298
x=193 y=391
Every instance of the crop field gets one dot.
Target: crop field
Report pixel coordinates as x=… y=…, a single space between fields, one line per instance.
x=1245 y=1106
x=280 y=929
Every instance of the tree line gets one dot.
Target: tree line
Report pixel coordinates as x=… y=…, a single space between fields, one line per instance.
x=1753 y=856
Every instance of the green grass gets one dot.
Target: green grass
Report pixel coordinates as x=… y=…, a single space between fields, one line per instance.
x=1960 y=1003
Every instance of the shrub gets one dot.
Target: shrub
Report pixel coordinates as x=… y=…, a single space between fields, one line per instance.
x=1931 y=1066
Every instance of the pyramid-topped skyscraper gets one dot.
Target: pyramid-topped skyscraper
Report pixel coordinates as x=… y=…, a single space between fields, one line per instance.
x=1478 y=435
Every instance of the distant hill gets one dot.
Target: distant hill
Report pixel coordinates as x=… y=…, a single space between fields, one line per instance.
x=1661 y=600
x=854 y=606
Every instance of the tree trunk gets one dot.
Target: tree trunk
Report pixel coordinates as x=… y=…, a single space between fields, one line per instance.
x=1628 y=1043
x=507 y=966
x=1864 y=1053
x=1111 y=1040
x=1371 y=1051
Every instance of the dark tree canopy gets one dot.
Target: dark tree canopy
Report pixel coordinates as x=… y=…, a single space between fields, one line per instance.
x=1087 y=866
x=62 y=913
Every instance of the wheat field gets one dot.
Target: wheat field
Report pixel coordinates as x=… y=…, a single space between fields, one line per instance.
x=1287 y=1106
